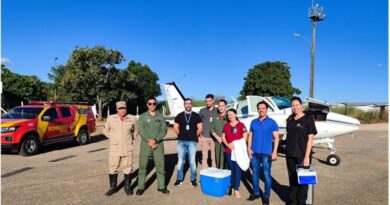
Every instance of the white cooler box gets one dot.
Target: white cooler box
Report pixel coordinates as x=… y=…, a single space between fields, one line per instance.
x=215 y=182
x=306 y=176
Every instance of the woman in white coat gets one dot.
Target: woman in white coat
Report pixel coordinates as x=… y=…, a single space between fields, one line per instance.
x=233 y=130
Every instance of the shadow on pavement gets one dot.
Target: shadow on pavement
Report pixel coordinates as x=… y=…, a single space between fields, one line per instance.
x=59 y=146
x=321 y=161
x=170 y=164
x=281 y=190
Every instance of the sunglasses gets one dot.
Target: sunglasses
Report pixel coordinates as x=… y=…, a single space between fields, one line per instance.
x=151 y=103
x=122 y=108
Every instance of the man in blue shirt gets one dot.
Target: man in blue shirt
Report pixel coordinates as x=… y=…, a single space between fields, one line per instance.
x=263 y=131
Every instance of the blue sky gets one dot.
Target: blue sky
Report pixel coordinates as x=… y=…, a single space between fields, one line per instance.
x=208 y=46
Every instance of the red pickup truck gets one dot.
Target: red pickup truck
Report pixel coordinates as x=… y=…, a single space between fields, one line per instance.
x=25 y=128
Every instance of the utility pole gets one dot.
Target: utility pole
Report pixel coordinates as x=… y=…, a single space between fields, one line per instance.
x=316 y=14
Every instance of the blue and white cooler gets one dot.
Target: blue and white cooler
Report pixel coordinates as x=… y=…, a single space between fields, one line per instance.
x=215 y=182
x=306 y=176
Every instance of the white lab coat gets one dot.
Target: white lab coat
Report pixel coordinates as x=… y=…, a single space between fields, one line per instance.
x=240 y=154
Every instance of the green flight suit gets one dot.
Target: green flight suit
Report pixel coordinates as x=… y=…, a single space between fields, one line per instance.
x=217 y=127
x=151 y=127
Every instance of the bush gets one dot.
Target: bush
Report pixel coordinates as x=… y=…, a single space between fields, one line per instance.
x=362 y=116
x=198 y=103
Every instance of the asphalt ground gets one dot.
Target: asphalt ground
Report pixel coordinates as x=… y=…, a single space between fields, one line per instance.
x=71 y=174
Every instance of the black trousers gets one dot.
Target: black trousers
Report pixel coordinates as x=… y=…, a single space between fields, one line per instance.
x=298 y=193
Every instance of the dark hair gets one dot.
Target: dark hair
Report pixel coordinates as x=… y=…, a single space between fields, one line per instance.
x=188 y=99
x=232 y=110
x=262 y=102
x=151 y=98
x=296 y=98
x=222 y=100
x=293 y=114
x=210 y=96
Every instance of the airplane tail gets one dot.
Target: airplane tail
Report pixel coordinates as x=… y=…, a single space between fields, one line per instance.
x=174 y=98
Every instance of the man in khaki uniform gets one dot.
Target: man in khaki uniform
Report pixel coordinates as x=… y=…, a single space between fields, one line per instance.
x=120 y=129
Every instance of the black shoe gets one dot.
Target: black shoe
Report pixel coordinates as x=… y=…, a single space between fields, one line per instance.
x=178 y=183
x=128 y=190
x=253 y=197
x=113 y=181
x=164 y=191
x=230 y=191
x=140 y=192
x=266 y=201
x=194 y=184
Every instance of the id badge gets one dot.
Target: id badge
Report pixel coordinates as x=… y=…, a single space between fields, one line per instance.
x=235 y=130
x=211 y=119
x=187 y=127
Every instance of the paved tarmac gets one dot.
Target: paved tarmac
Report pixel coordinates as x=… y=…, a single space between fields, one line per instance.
x=70 y=174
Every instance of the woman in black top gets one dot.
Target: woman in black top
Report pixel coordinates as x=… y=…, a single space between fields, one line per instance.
x=300 y=134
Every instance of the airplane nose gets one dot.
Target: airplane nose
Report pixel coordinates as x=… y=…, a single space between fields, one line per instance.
x=335 y=117
x=355 y=121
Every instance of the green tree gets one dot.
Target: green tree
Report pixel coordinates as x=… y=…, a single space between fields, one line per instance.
x=145 y=84
x=18 y=88
x=88 y=76
x=269 y=79
x=91 y=75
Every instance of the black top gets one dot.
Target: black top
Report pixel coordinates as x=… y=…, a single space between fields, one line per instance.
x=297 y=135
x=193 y=120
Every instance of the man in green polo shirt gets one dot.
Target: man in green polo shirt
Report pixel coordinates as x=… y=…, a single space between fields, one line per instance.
x=152 y=128
x=216 y=130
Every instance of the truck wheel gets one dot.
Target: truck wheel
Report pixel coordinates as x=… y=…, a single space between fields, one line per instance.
x=83 y=137
x=30 y=146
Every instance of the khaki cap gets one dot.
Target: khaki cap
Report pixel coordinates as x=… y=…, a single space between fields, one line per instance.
x=120 y=104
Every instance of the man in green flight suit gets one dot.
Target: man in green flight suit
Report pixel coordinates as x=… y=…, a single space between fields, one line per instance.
x=152 y=128
x=216 y=130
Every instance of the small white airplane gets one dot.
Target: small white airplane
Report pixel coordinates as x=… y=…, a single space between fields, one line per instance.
x=329 y=124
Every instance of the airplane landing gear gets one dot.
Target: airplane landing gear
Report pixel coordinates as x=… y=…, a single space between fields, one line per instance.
x=333 y=160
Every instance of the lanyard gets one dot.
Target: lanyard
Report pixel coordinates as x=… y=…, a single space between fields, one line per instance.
x=189 y=118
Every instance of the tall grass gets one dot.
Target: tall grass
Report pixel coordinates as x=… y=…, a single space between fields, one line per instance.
x=362 y=116
x=198 y=103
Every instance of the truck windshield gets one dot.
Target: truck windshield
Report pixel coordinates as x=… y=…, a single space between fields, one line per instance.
x=22 y=113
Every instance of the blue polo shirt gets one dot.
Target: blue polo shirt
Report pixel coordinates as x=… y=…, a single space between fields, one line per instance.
x=262 y=135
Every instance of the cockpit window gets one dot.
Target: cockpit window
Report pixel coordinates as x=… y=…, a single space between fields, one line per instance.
x=253 y=106
x=242 y=108
x=281 y=102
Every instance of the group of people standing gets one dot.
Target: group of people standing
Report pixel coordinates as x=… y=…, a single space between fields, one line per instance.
x=217 y=130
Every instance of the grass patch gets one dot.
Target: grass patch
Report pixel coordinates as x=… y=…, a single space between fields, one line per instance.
x=364 y=117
